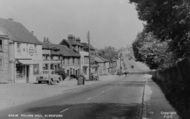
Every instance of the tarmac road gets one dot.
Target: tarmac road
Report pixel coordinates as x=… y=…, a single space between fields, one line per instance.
x=119 y=99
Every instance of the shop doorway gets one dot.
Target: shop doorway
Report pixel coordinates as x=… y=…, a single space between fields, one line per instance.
x=27 y=73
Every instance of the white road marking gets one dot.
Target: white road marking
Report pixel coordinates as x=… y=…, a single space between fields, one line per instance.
x=64 y=110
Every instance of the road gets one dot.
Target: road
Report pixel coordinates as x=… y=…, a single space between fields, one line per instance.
x=119 y=99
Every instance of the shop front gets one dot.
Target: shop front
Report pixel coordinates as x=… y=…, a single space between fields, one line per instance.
x=26 y=71
x=22 y=73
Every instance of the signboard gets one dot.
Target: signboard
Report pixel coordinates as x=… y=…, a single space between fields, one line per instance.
x=31 y=51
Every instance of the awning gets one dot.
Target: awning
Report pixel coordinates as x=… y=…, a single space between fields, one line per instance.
x=26 y=62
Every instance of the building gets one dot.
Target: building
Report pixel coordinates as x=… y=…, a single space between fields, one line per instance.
x=76 y=45
x=59 y=56
x=84 y=63
x=4 y=58
x=25 y=52
x=113 y=66
x=100 y=65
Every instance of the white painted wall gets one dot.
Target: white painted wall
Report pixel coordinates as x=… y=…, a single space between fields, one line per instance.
x=30 y=52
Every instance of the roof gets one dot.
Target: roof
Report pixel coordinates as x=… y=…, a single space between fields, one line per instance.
x=96 y=58
x=74 y=42
x=17 y=32
x=61 y=50
x=85 y=45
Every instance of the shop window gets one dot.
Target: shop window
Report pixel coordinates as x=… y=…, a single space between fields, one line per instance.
x=1 y=45
x=20 y=71
x=36 y=69
x=85 y=70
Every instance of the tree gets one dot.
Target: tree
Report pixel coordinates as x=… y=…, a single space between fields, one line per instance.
x=168 y=20
x=109 y=53
x=152 y=51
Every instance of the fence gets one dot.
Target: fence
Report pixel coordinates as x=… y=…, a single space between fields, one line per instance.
x=175 y=84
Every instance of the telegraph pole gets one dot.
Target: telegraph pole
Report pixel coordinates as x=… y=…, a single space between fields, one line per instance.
x=89 y=53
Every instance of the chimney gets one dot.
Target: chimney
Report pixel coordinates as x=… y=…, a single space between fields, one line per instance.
x=71 y=37
x=78 y=40
x=46 y=40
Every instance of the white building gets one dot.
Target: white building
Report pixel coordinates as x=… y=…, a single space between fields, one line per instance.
x=84 y=63
x=25 y=52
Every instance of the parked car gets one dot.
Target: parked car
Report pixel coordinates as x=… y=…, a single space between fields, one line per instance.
x=74 y=76
x=49 y=78
x=125 y=73
x=61 y=72
x=94 y=76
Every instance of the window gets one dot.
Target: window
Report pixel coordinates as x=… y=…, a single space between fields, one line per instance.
x=78 y=61
x=1 y=45
x=86 y=60
x=18 y=48
x=52 y=66
x=1 y=63
x=66 y=62
x=63 y=61
x=35 y=49
x=69 y=61
x=45 y=67
x=73 y=60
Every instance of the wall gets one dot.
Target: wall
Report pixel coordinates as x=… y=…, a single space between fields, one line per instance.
x=175 y=84
x=28 y=51
x=4 y=66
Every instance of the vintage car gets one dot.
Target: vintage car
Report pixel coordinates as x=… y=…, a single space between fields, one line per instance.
x=49 y=78
x=94 y=76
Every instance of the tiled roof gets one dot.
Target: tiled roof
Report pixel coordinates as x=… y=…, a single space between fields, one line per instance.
x=61 y=50
x=96 y=58
x=74 y=42
x=17 y=32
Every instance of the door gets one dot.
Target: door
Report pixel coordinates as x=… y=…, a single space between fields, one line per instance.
x=27 y=73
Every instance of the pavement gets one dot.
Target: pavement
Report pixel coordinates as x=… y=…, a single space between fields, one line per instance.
x=22 y=93
x=156 y=106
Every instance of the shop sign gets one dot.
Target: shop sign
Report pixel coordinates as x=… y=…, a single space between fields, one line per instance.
x=31 y=51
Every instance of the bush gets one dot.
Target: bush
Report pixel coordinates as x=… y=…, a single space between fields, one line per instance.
x=174 y=82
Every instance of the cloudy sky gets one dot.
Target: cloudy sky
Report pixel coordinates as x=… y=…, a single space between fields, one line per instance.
x=110 y=22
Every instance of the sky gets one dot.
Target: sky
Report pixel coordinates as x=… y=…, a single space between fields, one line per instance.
x=110 y=22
